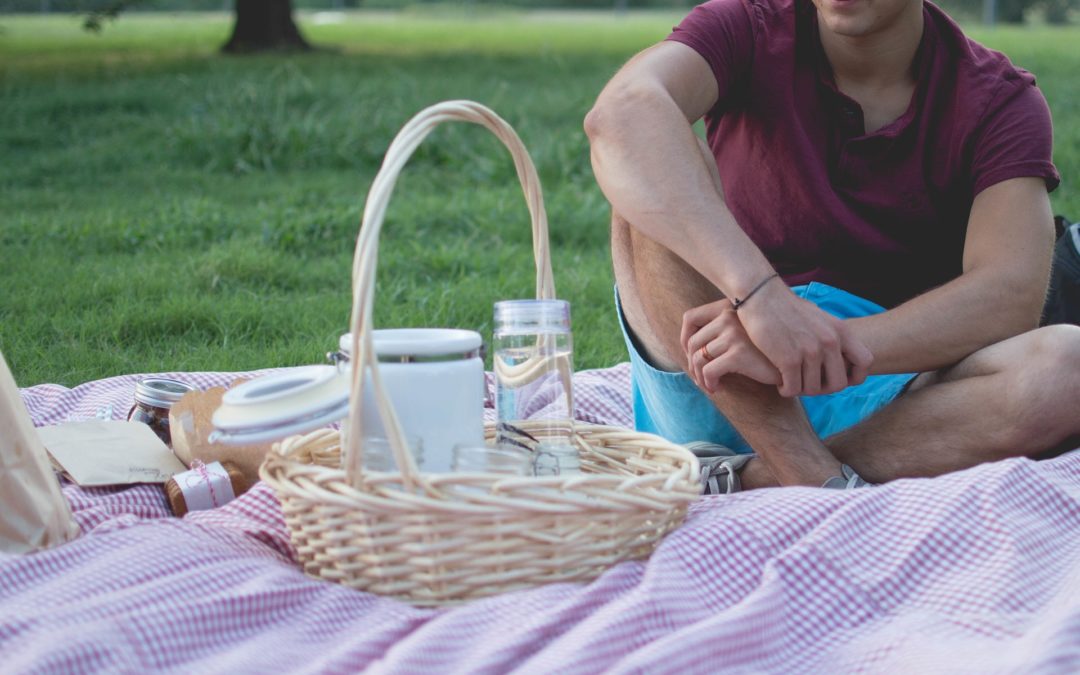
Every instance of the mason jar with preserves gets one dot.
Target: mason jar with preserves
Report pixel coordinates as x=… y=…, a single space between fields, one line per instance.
x=154 y=397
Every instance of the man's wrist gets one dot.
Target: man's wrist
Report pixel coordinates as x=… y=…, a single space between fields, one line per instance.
x=737 y=302
x=741 y=283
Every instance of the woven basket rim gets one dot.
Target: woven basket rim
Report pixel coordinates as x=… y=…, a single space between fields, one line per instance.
x=387 y=488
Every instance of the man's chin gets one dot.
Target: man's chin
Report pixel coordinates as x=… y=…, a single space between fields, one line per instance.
x=849 y=27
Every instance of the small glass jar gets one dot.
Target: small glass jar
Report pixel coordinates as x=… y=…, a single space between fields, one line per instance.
x=154 y=397
x=486 y=459
x=379 y=456
x=556 y=460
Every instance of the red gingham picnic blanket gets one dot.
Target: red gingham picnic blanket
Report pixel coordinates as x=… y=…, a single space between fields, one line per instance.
x=977 y=571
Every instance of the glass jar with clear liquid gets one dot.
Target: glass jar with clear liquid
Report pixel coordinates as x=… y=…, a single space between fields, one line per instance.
x=533 y=364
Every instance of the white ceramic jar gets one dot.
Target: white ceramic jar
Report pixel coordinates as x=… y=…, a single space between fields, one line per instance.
x=434 y=377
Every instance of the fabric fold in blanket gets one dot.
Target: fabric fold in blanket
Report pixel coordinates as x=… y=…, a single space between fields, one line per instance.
x=977 y=571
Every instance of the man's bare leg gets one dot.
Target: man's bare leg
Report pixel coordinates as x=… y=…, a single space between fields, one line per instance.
x=775 y=427
x=1006 y=400
x=1018 y=397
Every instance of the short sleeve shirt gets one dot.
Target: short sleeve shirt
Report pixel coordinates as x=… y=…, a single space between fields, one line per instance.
x=884 y=214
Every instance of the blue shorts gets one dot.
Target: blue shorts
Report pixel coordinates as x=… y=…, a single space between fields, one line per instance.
x=670 y=404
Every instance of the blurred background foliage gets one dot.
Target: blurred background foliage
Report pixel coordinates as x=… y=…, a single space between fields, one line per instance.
x=1004 y=11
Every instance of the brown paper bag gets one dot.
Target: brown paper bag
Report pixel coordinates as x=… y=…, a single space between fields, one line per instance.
x=190 y=422
x=33 y=512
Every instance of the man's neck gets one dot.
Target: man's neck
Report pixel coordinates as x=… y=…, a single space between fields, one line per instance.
x=876 y=60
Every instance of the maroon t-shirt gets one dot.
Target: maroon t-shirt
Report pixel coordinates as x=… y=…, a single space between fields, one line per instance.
x=881 y=215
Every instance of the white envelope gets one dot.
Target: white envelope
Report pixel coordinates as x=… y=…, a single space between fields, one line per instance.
x=108 y=452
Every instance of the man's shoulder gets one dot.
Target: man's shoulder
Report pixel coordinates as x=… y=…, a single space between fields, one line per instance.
x=981 y=73
x=986 y=108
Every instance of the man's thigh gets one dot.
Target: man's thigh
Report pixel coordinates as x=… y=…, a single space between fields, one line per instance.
x=1036 y=379
x=656 y=288
x=1016 y=353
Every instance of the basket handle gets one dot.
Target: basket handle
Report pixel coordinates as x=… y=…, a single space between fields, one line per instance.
x=364 y=263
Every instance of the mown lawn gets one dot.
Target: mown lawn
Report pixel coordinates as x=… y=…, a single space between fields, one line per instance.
x=166 y=208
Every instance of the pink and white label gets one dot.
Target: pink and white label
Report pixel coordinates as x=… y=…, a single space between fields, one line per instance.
x=205 y=486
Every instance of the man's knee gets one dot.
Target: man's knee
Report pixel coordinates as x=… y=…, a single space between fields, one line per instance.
x=1055 y=349
x=1050 y=368
x=1043 y=384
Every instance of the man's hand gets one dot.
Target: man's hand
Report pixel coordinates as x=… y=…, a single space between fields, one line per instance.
x=815 y=352
x=783 y=340
x=717 y=345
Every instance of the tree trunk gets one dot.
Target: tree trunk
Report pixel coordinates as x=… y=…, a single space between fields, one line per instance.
x=1012 y=11
x=263 y=25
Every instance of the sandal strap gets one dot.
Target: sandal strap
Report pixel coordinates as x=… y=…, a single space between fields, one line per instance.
x=720 y=475
x=847 y=480
x=720 y=466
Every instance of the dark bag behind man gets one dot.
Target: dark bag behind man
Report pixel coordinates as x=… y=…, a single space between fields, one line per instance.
x=1063 y=299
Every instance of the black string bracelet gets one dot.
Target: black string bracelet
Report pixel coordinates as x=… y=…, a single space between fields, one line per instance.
x=740 y=302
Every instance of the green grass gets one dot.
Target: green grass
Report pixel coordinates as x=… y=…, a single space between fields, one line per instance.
x=163 y=207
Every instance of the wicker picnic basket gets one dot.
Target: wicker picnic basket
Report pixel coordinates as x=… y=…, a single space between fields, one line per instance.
x=439 y=539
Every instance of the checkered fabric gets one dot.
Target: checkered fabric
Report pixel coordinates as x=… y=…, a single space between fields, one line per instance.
x=975 y=572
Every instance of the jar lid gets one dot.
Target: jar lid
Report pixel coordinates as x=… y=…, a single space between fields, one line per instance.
x=532 y=316
x=405 y=345
x=282 y=404
x=161 y=392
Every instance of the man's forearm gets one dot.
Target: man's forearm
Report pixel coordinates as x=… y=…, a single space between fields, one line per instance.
x=1000 y=294
x=946 y=324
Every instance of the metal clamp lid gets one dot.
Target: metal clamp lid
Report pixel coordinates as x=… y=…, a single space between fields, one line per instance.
x=161 y=392
x=420 y=345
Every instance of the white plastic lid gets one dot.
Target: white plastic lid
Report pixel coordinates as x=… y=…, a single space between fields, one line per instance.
x=420 y=342
x=279 y=405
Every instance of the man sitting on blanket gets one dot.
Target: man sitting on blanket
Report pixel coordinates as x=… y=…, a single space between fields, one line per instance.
x=850 y=272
